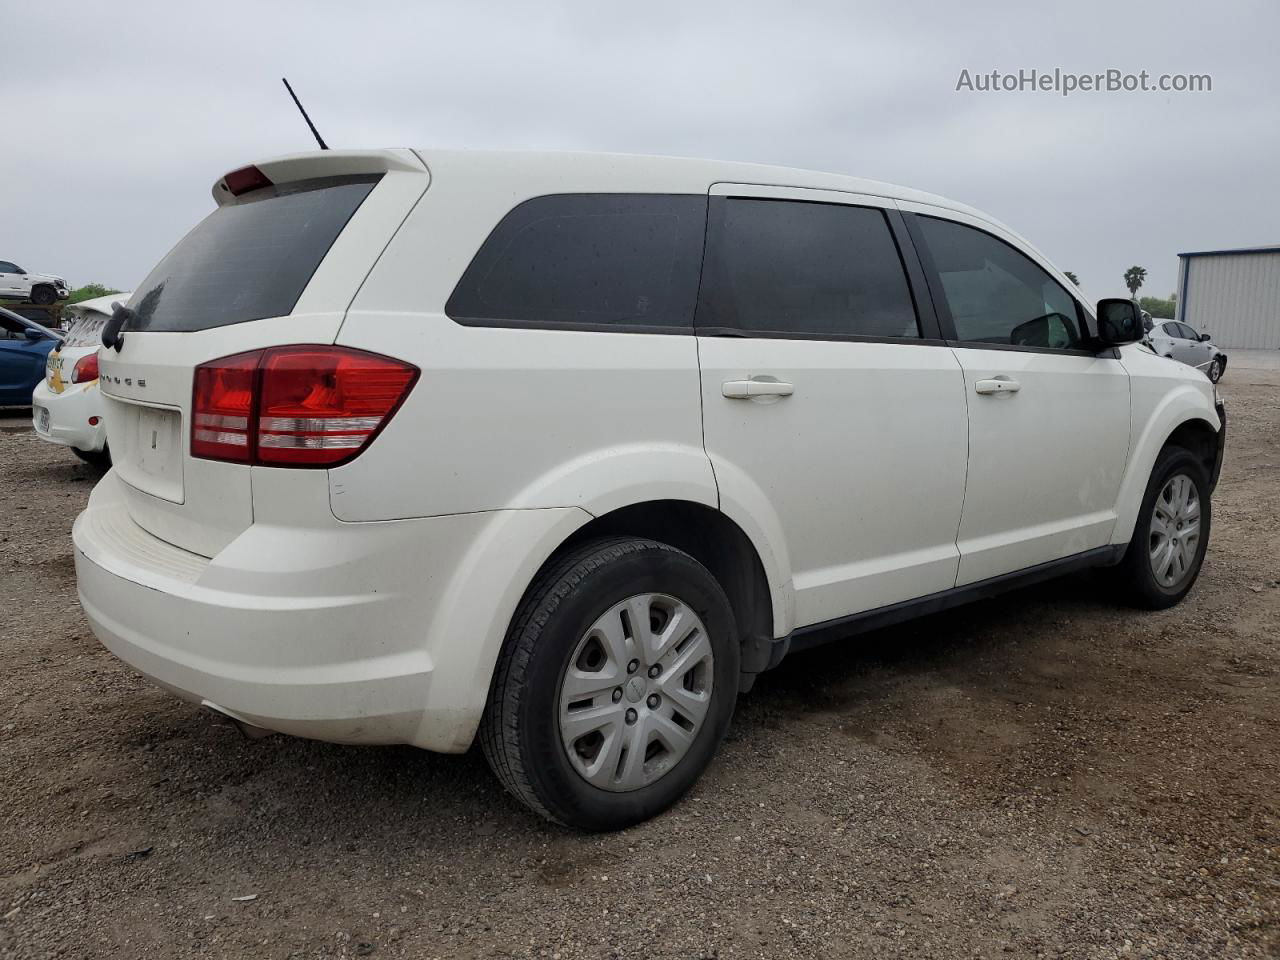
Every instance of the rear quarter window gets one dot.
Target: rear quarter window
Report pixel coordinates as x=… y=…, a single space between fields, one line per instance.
x=249 y=259
x=588 y=261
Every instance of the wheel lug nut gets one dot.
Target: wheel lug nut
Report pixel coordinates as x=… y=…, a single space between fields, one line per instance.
x=633 y=666
x=617 y=694
x=653 y=701
x=655 y=670
x=631 y=716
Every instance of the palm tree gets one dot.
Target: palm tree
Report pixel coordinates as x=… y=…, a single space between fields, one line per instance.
x=1133 y=278
x=1072 y=277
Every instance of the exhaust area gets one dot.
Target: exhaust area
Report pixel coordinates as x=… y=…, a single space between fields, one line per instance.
x=247 y=729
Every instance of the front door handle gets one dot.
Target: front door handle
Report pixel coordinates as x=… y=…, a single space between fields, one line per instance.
x=747 y=389
x=1000 y=384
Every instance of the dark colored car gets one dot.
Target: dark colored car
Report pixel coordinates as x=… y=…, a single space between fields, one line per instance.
x=24 y=350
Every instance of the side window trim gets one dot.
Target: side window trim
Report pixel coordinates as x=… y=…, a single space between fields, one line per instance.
x=926 y=318
x=946 y=320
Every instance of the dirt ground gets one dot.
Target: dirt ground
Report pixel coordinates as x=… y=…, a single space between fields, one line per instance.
x=1039 y=775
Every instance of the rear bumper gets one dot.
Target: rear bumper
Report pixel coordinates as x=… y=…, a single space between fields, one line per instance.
x=335 y=633
x=69 y=414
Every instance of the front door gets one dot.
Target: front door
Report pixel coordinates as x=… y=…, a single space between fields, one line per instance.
x=828 y=416
x=1048 y=419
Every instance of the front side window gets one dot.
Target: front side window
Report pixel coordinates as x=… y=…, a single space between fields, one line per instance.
x=997 y=295
x=1187 y=332
x=789 y=267
x=7 y=267
x=11 y=329
x=595 y=261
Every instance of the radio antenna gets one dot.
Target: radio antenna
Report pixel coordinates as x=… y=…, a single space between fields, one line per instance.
x=314 y=132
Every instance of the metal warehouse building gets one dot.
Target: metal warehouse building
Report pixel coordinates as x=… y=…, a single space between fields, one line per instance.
x=1234 y=295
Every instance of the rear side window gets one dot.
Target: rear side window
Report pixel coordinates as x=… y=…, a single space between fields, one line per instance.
x=249 y=259
x=588 y=261
x=787 y=267
x=996 y=294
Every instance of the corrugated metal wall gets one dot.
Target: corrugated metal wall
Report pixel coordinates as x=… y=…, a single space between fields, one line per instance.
x=1235 y=297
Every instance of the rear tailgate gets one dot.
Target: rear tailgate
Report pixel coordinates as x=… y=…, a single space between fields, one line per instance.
x=271 y=267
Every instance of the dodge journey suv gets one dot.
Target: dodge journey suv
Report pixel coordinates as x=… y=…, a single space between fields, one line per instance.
x=559 y=452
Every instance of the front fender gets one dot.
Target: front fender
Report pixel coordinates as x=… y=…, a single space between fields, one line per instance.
x=1184 y=402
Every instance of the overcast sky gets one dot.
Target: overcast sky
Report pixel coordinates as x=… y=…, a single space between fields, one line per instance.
x=119 y=117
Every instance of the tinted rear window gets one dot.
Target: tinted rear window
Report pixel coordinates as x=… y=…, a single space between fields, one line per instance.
x=789 y=267
x=588 y=261
x=249 y=259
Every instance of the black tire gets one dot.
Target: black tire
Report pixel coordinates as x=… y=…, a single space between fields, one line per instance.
x=1136 y=579
x=43 y=296
x=1214 y=373
x=520 y=729
x=101 y=459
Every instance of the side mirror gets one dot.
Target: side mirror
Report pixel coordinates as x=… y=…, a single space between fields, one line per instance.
x=33 y=334
x=1119 y=321
x=1205 y=338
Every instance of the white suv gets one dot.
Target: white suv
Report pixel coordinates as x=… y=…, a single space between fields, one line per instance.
x=41 y=288
x=561 y=451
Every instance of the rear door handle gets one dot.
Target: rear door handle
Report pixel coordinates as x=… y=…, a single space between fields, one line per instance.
x=746 y=389
x=999 y=384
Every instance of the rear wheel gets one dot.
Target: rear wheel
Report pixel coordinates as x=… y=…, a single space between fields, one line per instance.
x=615 y=685
x=1169 y=541
x=43 y=295
x=95 y=458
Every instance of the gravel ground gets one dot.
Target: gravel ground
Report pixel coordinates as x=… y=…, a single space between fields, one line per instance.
x=1039 y=775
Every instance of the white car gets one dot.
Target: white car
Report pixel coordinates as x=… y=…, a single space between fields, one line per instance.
x=67 y=406
x=41 y=288
x=1179 y=341
x=560 y=451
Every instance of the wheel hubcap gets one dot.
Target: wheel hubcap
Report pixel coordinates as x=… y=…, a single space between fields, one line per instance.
x=636 y=692
x=1175 y=531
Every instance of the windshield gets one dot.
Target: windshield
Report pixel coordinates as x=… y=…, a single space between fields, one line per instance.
x=249 y=259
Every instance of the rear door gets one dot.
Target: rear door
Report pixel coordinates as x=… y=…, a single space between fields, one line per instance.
x=1048 y=419
x=833 y=414
x=277 y=264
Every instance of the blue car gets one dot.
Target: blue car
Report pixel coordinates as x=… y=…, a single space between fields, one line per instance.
x=24 y=349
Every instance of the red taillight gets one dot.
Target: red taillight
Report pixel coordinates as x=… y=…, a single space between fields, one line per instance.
x=222 y=408
x=246 y=179
x=86 y=369
x=300 y=406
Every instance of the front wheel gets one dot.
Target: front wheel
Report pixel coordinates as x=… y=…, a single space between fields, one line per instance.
x=43 y=296
x=1214 y=373
x=1169 y=541
x=615 y=685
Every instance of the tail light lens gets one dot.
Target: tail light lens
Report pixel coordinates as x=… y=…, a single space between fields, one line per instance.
x=222 y=408
x=86 y=369
x=296 y=406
